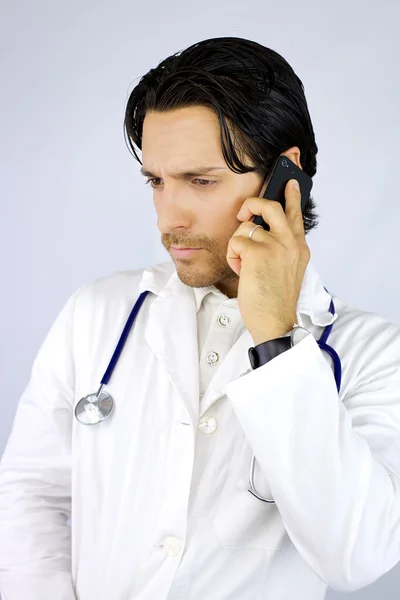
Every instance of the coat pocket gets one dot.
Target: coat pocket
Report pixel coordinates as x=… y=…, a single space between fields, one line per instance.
x=242 y=520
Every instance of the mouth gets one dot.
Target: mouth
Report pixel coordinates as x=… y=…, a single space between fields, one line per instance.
x=182 y=252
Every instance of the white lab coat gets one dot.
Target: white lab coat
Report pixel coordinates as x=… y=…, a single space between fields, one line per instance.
x=160 y=510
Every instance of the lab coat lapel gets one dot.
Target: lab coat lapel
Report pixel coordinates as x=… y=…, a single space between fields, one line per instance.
x=171 y=333
x=235 y=364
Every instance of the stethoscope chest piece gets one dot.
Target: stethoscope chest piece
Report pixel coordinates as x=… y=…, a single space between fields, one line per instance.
x=94 y=408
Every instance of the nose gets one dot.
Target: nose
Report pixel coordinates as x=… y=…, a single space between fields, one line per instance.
x=173 y=212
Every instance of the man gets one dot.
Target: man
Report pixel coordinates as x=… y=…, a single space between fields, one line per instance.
x=158 y=492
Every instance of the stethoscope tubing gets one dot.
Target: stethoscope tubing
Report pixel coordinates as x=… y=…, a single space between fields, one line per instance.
x=123 y=338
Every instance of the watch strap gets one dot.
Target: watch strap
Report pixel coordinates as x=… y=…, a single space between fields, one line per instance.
x=262 y=353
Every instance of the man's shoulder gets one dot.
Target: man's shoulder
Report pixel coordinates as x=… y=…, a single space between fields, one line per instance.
x=122 y=284
x=375 y=337
x=361 y=318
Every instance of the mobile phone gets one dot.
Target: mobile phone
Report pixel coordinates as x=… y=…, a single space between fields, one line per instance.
x=274 y=186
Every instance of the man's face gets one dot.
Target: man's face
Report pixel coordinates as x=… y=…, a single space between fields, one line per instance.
x=197 y=211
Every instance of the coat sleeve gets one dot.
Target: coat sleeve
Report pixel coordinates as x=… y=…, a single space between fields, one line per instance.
x=333 y=465
x=35 y=481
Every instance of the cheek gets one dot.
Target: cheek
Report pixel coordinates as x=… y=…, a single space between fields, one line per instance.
x=224 y=227
x=222 y=223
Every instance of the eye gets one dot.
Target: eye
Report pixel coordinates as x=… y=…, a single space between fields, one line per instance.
x=204 y=182
x=151 y=180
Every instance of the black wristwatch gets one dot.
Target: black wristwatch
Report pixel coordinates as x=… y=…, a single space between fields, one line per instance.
x=262 y=353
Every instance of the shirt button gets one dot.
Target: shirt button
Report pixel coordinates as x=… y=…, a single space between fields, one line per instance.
x=207 y=424
x=212 y=358
x=223 y=320
x=172 y=545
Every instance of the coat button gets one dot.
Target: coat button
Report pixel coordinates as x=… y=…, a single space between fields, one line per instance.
x=207 y=424
x=212 y=358
x=223 y=320
x=172 y=545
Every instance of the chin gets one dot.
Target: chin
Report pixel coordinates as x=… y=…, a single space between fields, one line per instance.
x=200 y=274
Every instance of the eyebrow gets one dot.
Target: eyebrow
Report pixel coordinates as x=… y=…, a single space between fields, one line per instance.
x=185 y=174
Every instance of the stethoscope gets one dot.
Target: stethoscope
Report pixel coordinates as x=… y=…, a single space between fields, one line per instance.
x=94 y=408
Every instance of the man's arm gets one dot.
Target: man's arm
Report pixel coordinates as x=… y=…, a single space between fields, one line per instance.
x=333 y=466
x=35 y=477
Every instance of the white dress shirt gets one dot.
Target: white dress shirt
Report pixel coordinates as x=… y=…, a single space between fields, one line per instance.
x=219 y=325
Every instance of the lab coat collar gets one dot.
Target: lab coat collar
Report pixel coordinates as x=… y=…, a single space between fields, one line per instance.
x=175 y=345
x=314 y=300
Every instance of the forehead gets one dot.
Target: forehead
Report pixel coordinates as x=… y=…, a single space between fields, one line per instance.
x=181 y=137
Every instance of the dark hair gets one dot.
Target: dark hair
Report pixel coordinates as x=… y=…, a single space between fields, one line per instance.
x=250 y=86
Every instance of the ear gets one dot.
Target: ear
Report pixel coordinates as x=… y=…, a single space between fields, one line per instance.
x=293 y=154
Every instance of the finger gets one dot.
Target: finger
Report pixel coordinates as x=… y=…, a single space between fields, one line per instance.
x=239 y=247
x=270 y=210
x=260 y=233
x=293 y=208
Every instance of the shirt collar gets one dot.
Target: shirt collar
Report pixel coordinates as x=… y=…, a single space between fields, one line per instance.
x=200 y=293
x=314 y=300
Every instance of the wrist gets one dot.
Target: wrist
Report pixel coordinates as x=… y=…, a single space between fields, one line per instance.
x=260 y=337
x=267 y=350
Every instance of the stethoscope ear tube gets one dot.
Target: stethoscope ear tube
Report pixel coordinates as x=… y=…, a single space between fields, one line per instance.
x=252 y=488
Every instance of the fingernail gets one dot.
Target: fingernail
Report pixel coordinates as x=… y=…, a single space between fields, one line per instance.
x=296 y=185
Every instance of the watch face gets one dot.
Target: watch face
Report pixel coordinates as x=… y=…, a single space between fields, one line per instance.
x=298 y=334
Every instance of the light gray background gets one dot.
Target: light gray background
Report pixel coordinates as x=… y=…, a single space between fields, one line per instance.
x=73 y=205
